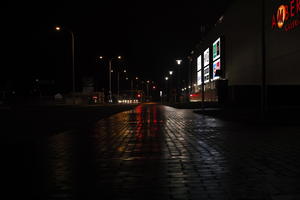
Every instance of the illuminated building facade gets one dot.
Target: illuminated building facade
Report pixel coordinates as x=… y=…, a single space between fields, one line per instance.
x=254 y=45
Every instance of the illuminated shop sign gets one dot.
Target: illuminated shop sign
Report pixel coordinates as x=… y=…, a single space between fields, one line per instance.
x=206 y=57
x=206 y=74
x=287 y=15
x=199 y=78
x=199 y=63
x=217 y=49
x=216 y=66
x=199 y=67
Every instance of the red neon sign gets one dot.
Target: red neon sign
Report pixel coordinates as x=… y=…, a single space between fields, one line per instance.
x=286 y=16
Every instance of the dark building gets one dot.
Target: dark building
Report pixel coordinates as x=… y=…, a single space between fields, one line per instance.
x=252 y=51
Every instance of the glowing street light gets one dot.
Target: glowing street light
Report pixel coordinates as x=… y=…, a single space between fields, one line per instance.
x=58 y=28
x=178 y=62
x=109 y=74
x=167 y=78
x=171 y=73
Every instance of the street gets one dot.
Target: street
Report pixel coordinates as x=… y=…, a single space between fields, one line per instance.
x=157 y=152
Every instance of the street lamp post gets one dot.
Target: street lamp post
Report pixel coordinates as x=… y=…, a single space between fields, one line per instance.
x=189 y=74
x=131 y=85
x=119 y=82
x=178 y=62
x=109 y=76
x=171 y=86
x=166 y=78
x=137 y=83
x=58 y=28
x=118 y=85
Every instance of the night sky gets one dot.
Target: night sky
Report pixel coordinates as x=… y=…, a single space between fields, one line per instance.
x=150 y=35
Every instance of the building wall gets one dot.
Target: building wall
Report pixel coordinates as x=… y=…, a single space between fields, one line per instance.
x=241 y=29
x=283 y=48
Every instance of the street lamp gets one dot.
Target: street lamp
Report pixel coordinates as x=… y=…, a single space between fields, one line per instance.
x=147 y=85
x=137 y=83
x=109 y=75
x=178 y=62
x=166 y=78
x=119 y=81
x=58 y=28
x=171 y=86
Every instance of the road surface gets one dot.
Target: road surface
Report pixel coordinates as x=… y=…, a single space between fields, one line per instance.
x=159 y=152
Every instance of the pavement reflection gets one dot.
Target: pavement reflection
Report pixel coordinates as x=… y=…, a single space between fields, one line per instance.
x=159 y=152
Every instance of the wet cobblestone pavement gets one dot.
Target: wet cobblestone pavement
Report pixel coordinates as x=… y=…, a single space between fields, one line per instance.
x=159 y=152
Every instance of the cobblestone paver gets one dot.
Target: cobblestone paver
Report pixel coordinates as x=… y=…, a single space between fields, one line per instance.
x=158 y=152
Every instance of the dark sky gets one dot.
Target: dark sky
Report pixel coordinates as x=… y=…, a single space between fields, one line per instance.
x=149 y=34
